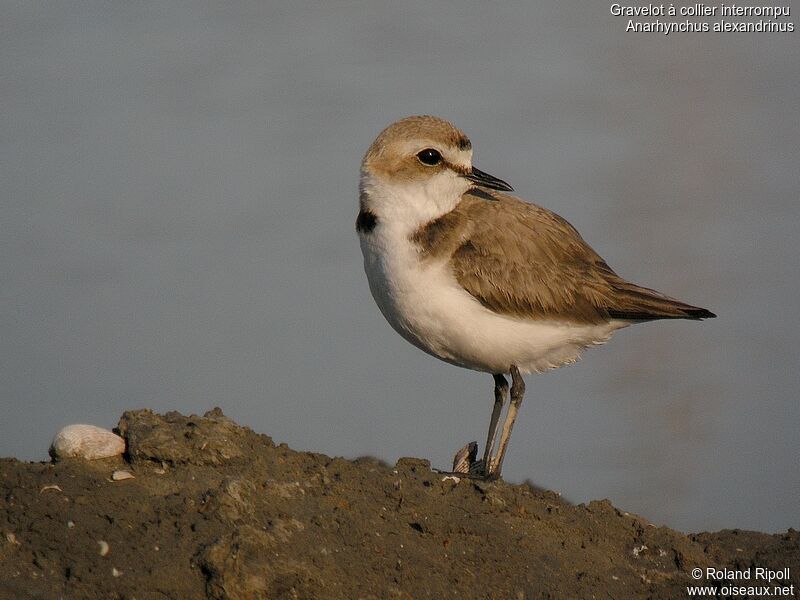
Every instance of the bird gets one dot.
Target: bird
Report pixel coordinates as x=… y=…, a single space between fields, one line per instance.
x=479 y=278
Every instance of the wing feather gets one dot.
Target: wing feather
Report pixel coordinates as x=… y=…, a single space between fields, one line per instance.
x=523 y=260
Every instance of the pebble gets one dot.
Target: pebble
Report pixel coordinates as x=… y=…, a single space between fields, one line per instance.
x=86 y=441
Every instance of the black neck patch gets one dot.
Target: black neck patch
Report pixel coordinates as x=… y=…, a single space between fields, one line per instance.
x=366 y=221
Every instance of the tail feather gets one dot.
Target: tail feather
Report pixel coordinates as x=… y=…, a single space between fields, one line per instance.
x=636 y=303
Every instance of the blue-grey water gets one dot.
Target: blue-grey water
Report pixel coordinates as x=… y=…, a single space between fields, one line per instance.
x=179 y=186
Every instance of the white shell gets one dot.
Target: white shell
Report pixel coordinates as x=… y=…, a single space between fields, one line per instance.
x=104 y=547
x=86 y=441
x=120 y=475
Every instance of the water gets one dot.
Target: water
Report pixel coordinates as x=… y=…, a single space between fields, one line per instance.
x=179 y=192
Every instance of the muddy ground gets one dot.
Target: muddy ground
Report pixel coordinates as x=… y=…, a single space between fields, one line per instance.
x=218 y=511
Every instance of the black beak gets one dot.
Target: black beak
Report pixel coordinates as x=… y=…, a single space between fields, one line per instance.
x=485 y=180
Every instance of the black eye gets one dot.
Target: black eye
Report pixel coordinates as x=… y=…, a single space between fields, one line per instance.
x=429 y=157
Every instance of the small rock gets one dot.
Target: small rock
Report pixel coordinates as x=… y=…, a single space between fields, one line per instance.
x=86 y=441
x=104 y=547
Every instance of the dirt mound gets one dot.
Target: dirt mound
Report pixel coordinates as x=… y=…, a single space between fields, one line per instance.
x=215 y=510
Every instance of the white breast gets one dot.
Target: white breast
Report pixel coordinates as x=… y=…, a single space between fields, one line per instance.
x=425 y=304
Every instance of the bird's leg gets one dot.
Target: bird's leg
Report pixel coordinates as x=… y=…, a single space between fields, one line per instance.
x=517 y=392
x=500 y=393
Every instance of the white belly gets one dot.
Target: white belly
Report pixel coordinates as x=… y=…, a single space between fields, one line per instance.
x=425 y=304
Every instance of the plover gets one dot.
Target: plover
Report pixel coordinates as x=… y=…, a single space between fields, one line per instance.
x=479 y=278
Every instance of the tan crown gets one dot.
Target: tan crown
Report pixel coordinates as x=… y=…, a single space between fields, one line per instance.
x=393 y=153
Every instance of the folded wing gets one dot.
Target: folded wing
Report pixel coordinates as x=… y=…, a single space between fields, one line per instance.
x=523 y=260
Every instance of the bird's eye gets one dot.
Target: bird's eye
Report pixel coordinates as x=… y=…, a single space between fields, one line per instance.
x=429 y=157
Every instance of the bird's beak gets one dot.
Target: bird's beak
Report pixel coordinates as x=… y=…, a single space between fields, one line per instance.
x=485 y=180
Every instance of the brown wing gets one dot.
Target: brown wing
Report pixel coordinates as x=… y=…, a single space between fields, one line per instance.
x=523 y=260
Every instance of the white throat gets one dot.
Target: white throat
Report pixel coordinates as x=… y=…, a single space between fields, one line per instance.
x=408 y=204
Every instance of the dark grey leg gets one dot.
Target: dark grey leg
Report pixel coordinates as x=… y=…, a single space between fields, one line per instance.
x=500 y=393
x=517 y=392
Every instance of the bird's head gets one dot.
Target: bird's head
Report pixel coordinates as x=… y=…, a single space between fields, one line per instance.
x=417 y=169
